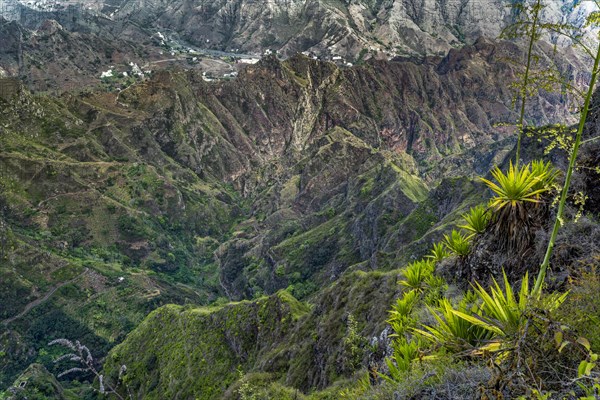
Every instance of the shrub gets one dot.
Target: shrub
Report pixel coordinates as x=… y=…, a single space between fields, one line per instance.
x=453 y=331
x=438 y=252
x=405 y=351
x=417 y=273
x=516 y=332
x=436 y=286
x=515 y=204
x=476 y=220
x=501 y=313
x=354 y=345
x=400 y=315
x=458 y=243
x=581 y=309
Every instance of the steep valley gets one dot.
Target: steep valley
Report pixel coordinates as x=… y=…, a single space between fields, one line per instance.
x=209 y=234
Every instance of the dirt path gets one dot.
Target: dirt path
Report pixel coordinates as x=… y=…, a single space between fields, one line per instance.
x=41 y=300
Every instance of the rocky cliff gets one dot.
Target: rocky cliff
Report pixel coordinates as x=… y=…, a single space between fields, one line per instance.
x=345 y=28
x=178 y=190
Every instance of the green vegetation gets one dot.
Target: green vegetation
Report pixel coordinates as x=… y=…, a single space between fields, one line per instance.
x=521 y=334
x=458 y=243
x=354 y=345
x=438 y=252
x=133 y=221
x=406 y=352
x=36 y=383
x=594 y=19
x=517 y=332
x=99 y=235
x=453 y=332
x=400 y=316
x=493 y=323
x=518 y=186
x=417 y=274
x=211 y=340
x=516 y=205
x=476 y=220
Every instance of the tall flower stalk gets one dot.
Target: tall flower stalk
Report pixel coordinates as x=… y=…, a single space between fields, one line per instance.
x=593 y=18
x=533 y=36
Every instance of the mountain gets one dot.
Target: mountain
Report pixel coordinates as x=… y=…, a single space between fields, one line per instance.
x=347 y=28
x=89 y=227
x=180 y=190
x=276 y=346
x=344 y=28
x=202 y=212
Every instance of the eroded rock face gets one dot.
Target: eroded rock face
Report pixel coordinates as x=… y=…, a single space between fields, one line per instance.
x=343 y=28
x=428 y=110
x=287 y=176
x=316 y=150
x=324 y=152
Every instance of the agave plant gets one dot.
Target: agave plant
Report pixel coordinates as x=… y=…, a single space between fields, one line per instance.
x=492 y=326
x=436 y=286
x=438 y=252
x=400 y=315
x=476 y=220
x=458 y=243
x=544 y=173
x=417 y=273
x=453 y=331
x=518 y=186
x=517 y=194
x=502 y=313
x=405 y=351
x=505 y=315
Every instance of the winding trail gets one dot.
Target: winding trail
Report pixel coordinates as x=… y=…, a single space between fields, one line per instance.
x=41 y=300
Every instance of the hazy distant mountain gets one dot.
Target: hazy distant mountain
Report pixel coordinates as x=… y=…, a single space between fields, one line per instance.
x=340 y=27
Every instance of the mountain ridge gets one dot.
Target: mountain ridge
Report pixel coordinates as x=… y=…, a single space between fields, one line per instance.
x=125 y=193
x=327 y=28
